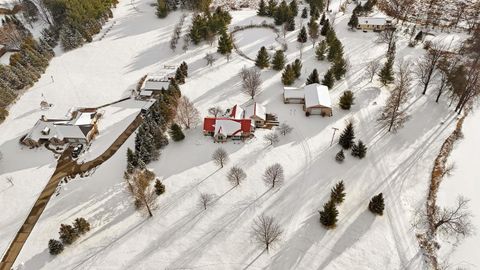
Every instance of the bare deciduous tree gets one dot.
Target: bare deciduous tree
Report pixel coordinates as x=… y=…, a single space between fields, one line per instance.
x=251 y=81
x=187 y=114
x=285 y=129
x=43 y=11
x=372 y=69
x=139 y=186
x=271 y=138
x=394 y=114
x=210 y=59
x=427 y=65
x=266 y=231
x=388 y=36
x=236 y=175
x=273 y=175
x=215 y=111
x=454 y=222
x=206 y=199
x=220 y=157
x=11 y=36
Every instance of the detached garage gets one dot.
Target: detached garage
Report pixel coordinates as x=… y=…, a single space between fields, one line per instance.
x=317 y=100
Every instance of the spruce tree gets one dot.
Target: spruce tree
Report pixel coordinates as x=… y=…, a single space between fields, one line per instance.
x=176 y=132
x=339 y=68
x=322 y=20
x=278 y=61
x=313 y=32
x=293 y=7
x=353 y=22
x=313 y=77
x=290 y=23
x=359 y=150
x=297 y=68
x=55 y=247
x=340 y=156
x=337 y=194
x=304 y=13
x=271 y=7
x=162 y=8
x=281 y=13
x=159 y=187
x=263 y=58
x=302 y=35
x=262 y=8
x=335 y=51
x=325 y=28
x=288 y=75
x=346 y=100
x=328 y=79
x=225 y=44
x=347 y=136
x=179 y=76
x=329 y=215
x=184 y=68
x=386 y=73
x=67 y=234
x=321 y=50
x=377 y=204
x=314 y=13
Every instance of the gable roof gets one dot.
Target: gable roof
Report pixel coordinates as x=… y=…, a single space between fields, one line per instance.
x=372 y=20
x=292 y=92
x=226 y=126
x=255 y=109
x=317 y=95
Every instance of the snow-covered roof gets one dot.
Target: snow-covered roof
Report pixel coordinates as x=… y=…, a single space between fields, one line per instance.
x=292 y=92
x=68 y=131
x=317 y=95
x=372 y=20
x=227 y=127
x=146 y=93
x=255 y=109
x=83 y=118
x=154 y=85
x=47 y=130
x=237 y=112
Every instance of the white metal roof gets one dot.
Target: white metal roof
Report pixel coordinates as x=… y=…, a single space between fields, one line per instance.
x=292 y=92
x=67 y=131
x=317 y=95
x=84 y=118
x=154 y=85
x=372 y=20
x=227 y=127
x=255 y=109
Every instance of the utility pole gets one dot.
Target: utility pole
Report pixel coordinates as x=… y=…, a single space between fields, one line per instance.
x=333 y=136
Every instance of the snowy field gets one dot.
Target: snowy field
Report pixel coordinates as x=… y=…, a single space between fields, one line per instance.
x=181 y=235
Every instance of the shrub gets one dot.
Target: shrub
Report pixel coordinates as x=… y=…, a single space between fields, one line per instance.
x=55 y=247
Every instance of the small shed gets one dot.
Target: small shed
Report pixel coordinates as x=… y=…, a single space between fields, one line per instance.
x=293 y=95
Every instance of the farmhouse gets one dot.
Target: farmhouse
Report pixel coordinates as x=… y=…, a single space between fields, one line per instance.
x=223 y=128
x=314 y=97
x=81 y=128
x=255 y=111
x=376 y=24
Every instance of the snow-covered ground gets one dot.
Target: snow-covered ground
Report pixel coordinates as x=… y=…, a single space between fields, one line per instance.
x=181 y=235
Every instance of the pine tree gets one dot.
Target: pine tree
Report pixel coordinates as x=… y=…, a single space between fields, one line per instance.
x=271 y=7
x=314 y=13
x=313 y=31
x=297 y=68
x=328 y=79
x=281 y=13
x=322 y=20
x=288 y=75
x=386 y=73
x=290 y=23
x=377 y=204
x=339 y=68
x=353 y=22
x=263 y=58
x=302 y=35
x=294 y=7
x=313 y=77
x=197 y=31
x=67 y=234
x=347 y=136
x=325 y=28
x=176 y=132
x=55 y=247
x=184 y=68
x=225 y=44
x=304 y=13
x=346 y=100
x=262 y=8
x=321 y=50
x=278 y=61
x=159 y=187
x=162 y=8
x=329 y=215
x=335 y=51
x=81 y=226
x=340 y=156
x=337 y=194
x=179 y=76
x=359 y=150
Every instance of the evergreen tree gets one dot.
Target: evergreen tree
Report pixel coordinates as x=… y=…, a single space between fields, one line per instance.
x=329 y=215
x=340 y=156
x=304 y=13
x=81 y=226
x=159 y=187
x=271 y=7
x=321 y=50
x=339 y=68
x=263 y=58
x=313 y=31
x=288 y=75
x=347 y=136
x=359 y=150
x=262 y=8
x=281 y=13
x=353 y=22
x=184 y=68
x=55 y=247
x=294 y=7
x=162 y=8
x=302 y=35
x=322 y=20
x=176 y=132
x=337 y=194
x=346 y=100
x=67 y=234
x=314 y=13
x=377 y=204
x=335 y=51
x=179 y=76
x=386 y=73
x=328 y=79
x=325 y=28
x=297 y=68
x=225 y=44
x=290 y=23
x=198 y=29
x=278 y=61
x=313 y=77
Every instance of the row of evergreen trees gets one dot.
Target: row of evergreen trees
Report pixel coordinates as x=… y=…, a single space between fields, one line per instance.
x=206 y=26
x=68 y=235
x=347 y=141
x=166 y=6
x=282 y=13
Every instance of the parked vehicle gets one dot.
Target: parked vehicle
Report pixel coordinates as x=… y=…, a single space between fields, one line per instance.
x=77 y=150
